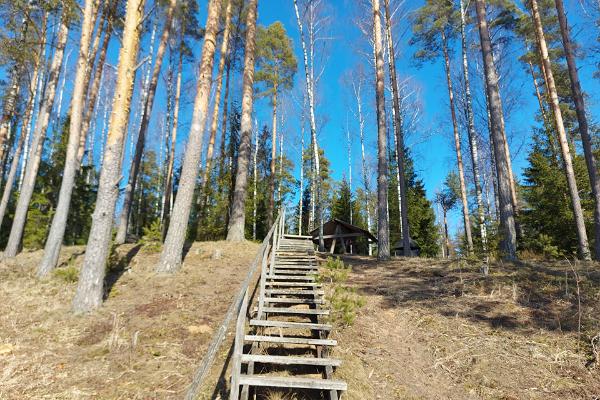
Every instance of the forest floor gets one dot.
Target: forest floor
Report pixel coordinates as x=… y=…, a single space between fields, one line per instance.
x=428 y=329
x=143 y=343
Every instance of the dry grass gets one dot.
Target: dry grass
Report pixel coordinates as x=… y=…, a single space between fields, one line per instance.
x=144 y=342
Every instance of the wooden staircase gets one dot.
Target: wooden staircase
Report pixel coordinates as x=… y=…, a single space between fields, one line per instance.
x=281 y=341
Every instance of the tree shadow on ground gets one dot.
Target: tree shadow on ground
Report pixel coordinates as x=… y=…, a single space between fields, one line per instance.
x=520 y=297
x=118 y=268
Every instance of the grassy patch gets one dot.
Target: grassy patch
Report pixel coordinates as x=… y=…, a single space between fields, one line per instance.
x=68 y=274
x=344 y=300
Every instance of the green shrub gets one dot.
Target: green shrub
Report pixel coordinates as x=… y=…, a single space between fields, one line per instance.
x=68 y=274
x=344 y=300
x=152 y=237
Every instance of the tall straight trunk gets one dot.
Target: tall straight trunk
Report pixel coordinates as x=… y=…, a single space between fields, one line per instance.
x=583 y=247
x=14 y=165
x=577 y=93
x=222 y=154
x=383 y=247
x=254 y=183
x=214 y=124
x=279 y=181
x=141 y=137
x=398 y=134
x=446 y=236
x=457 y=148
x=271 y=192
x=59 y=221
x=316 y=180
x=171 y=256
x=507 y=230
x=95 y=84
x=471 y=132
x=301 y=200
x=41 y=127
x=90 y=288
x=237 y=220
x=171 y=157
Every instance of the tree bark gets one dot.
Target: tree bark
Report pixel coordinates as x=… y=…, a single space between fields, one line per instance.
x=171 y=256
x=508 y=236
x=141 y=137
x=59 y=221
x=398 y=134
x=383 y=246
x=457 y=148
x=583 y=247
x=254 y=183
x=171 y=160
x=472 y=134
x=90 y=288
x=237 y=220
x=586 y=140
x=223 y=55
x=271 y=192
x=31 y=170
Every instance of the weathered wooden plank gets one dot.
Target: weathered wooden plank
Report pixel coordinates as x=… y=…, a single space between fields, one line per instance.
x=298 y=311
x=291 y=278
x=290 y=340
x=290 y=300
x=293 y=382
x=289 y=360
x=290 y=325
x=294 y=292
x=294 y=284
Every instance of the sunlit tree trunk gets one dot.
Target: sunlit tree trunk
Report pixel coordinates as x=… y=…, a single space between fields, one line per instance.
x=59 y=221
x=508 y=235
x=39 y=136
x=584 y=250
x=586 y=139
x=237 y=220
x=472 y=134
x=271 y=192
x=141 y=137
x=255 y=182
x=383 y=245
x=90 y=288
x=171 y=256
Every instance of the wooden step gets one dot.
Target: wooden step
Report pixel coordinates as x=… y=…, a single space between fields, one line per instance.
x=295 y=292
x=284 y=360
x=290 y=340
x=291 y=278
x=290 y=325
x=280 y=270
x=299 y=311
x=293 y=382
x=292 y=300
x=293 y=284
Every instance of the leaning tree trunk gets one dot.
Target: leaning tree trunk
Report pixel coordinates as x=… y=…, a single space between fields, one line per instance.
x=59 y=221
x=507 y=229
x=588 y=151
x=316 y=181
x=472 y=135
x=214 y=123
x=91 y=278
x=383 y=246
x=141 y=137
x=171 y=256
x=10 y=101
x=398 y=133
x=583 y=248
x=41 y=127
x=271 y=193
x=171 y=160
x=461 y=170
x=237 y=220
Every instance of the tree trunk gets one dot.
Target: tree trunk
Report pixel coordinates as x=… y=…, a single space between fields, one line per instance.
x=446 y=237
x=254 y=190
x=10 y=102
x=588 y=152
x=472 y=134
x=237 y=220
x=171 y=256
x=59 y=221
x=41 y=127
x=584 y=250
x=313 y=131
x=457 y=145
x=171 y=157
x=90 y=288
x=271 y=192
x=224 y=117
x=398 y=134
x=141 y=137
x=223 y=54
x=508 y=236
x=383 y=247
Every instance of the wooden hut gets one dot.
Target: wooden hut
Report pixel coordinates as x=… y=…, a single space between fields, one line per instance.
x=341 y=234
x=398 y=249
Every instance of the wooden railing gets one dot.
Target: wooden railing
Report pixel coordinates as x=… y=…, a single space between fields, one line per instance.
x=267 y=260
x=239 y=308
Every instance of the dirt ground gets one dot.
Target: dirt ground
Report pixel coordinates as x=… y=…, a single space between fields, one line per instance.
x=435 y=329
x=145 y=341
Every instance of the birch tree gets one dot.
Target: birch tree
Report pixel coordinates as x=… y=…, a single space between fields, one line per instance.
x=90 y=288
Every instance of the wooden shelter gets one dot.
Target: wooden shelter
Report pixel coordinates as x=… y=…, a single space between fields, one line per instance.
x=342 y=234
x=398 y=249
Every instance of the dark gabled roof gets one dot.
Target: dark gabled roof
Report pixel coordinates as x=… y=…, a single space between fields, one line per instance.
x=400 y=245
x=329 y=229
